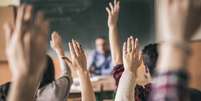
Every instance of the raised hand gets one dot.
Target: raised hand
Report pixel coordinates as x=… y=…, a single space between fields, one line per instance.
x=26 y=42
x=113 y=16
x=179 y=19
x=79 y=63
x=56 y=44
x=26 y=45
x=132 y=57
x=113 y=13
x=78 y=57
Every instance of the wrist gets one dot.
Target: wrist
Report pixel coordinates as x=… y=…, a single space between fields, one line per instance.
x=22 y=76
x=60 y=52
x=112 y=27
x=82 y=72
x=172 y=57
x=131 y=75
x=134 y=72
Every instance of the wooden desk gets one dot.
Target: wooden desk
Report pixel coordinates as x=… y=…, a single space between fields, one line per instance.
x=104 y=88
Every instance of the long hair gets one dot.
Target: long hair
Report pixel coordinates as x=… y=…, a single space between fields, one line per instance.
x=49 y=73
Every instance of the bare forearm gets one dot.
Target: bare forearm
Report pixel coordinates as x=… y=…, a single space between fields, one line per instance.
x=125 y=91
x=86 y=87
x=172 y=58
x=65 y=70
x=115 y=45
x=24 y=88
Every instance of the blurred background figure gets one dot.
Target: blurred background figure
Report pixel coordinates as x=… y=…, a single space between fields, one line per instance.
x=100 y=62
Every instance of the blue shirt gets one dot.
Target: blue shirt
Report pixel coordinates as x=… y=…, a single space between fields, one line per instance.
x=100 y=64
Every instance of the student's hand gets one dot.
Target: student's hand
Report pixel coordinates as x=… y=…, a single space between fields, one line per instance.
x=78 y=57
x=113 y=13
x=132 y=57
x=179 y=19
x=56 y=44
x=26 y=43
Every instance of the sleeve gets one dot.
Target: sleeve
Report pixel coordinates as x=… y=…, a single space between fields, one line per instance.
x=59 y=89
x=170 y=86
x=125 y=90
x=65 y=70
x=117 y=72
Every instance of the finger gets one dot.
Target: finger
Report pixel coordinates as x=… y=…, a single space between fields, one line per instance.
x=124 y=48
x=8 y=32
x=129 y=49
x=132 y=43
x=72 y=51
x=27 y=42
x=68 y=61
x=140 y=57
x=117 y=6
x=39 y=19
x=19 y=20
x=75 y=47
x=115 y=2
x=28 y=13
x=83 y=53
x=82 y=50
x=108 y=11
x=79 y=47
x=111 y=7
x=137 y=45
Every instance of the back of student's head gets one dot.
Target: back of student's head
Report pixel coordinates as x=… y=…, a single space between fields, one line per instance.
x=150 y=56
x=49 y=73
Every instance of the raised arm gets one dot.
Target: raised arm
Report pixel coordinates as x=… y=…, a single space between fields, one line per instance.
x=113 y=15
x=79 y=63
x=57 y=45
x=132 y=60
x=61 y=86
x=26 y=53
x=179 y=20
